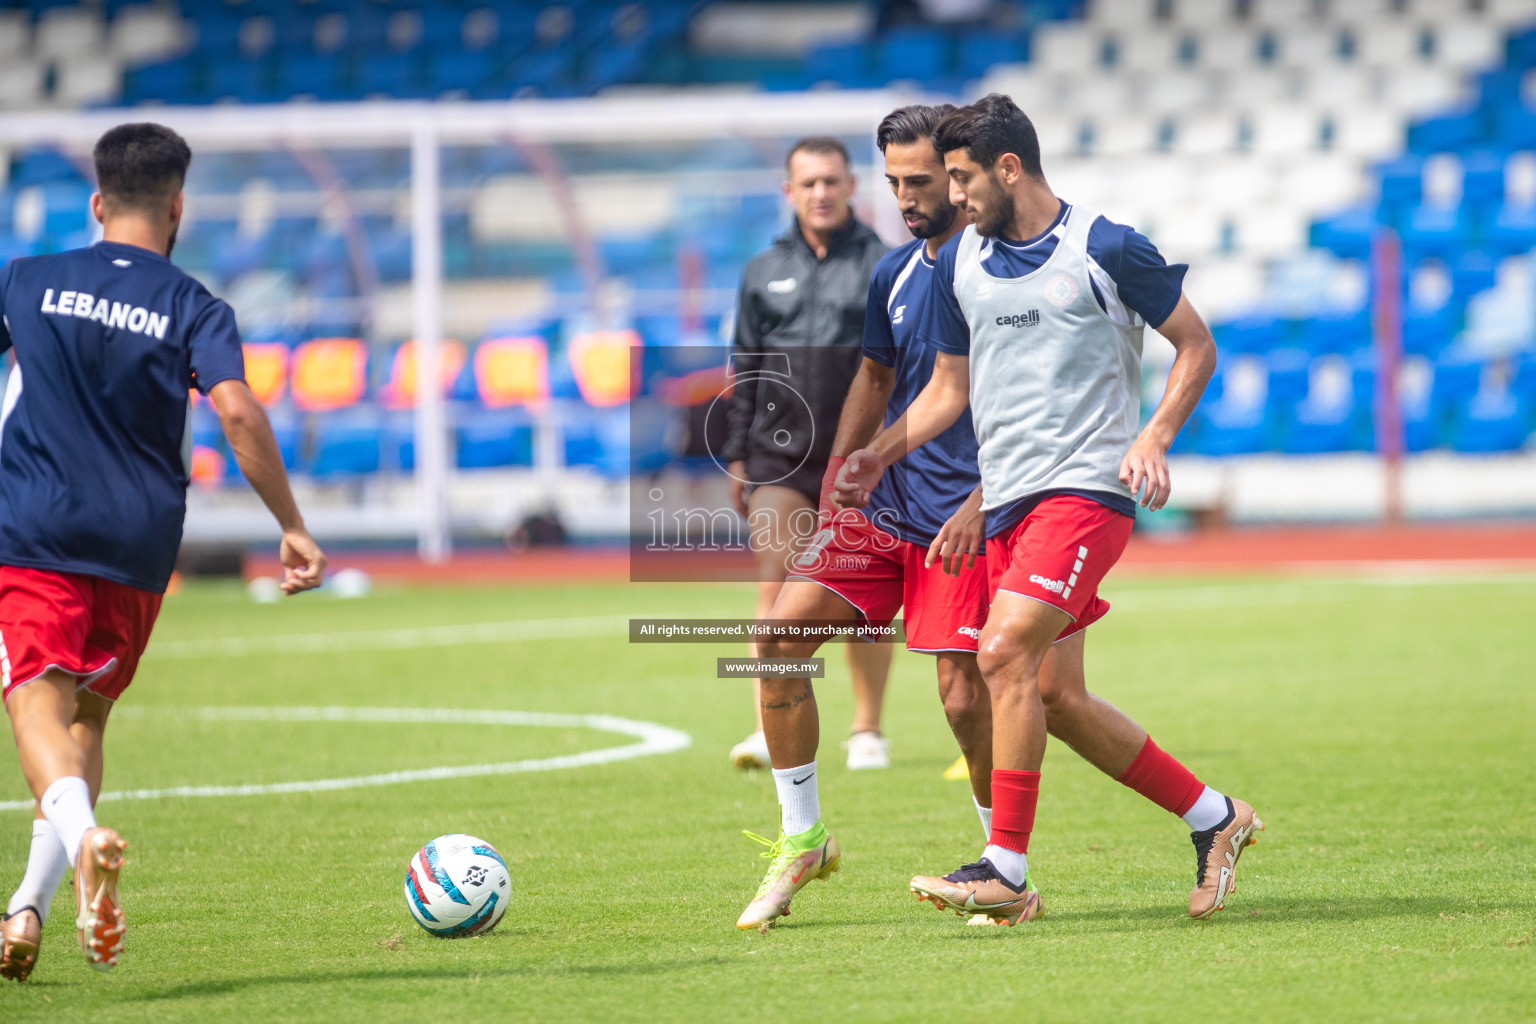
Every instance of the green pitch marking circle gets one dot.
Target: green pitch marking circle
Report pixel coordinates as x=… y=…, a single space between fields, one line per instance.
x=652 y=739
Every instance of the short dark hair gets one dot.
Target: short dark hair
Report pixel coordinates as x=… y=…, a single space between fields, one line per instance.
x=818 y=144
x=141 y=165
x=987 y=129
x=906 y=125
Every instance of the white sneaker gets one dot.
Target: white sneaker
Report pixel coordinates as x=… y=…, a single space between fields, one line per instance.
x=867 y=750
x=751 y=752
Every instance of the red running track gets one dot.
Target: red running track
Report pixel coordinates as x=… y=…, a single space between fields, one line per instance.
x=1460 y=547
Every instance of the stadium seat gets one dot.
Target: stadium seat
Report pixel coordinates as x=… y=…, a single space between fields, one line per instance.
x=266 y=371
x=600 y=363
x=399 y=391
x=288 y=431
x=512 y=371
x=599 y=440
x=1334 y=414
x=1233 y=413
x=329 y=373
x=1495 y=420
x=346 y=443
x=492 y=438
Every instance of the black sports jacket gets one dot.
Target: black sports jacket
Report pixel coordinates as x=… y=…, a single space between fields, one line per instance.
x=799 y=330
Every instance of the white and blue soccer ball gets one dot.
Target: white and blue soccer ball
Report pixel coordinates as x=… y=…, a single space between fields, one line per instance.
x=457 y=886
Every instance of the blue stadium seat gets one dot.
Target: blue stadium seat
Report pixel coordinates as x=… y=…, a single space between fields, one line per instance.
x=1401 y=181
x=1446 y=133
x=491 y=438
x=1347 y=234
x=312 y=74
x=399 y=75
x=1333 y=415
x=1249 y=334
x=847 y=64
x=172 y=81
x=1434 y=231
x=982 y=49
x=289 y=432
x=346 y=443
x=43 y=166
x=1512 y=232
x=1482 y=183
x=1430 y=333
x=1233 y=413
x=238 y=79
x=912 y=53
x=1495 y=420
x=1421 y=415
x=598 y=439
x=1339 y=333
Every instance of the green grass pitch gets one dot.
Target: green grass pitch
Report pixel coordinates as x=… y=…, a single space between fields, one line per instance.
x=1384 y=733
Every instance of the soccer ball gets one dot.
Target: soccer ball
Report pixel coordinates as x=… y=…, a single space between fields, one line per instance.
x=457 y=886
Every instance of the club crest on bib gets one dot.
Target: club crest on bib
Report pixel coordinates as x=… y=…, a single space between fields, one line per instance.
x=1061 y=289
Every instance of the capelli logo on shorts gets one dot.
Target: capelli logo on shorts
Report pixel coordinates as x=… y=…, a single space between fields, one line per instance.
x=1054 y=586
x=970 y=631
x=1030 y=319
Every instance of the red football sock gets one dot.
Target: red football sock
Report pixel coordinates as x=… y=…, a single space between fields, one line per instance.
x=1159 y=777
x=1014 y=795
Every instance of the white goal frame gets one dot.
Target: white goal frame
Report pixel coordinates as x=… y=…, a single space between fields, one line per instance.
x=425 y=127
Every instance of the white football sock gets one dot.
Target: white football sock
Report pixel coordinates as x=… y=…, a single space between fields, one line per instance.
x=1011 y=864
x=797 y=797
x=986 y=817
x=67 y=806
x=46 y=864
x=1210 y=810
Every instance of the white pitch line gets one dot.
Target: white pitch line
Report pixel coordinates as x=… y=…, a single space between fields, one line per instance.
x=408 y=638
x=654 y=739
x=1237 y=595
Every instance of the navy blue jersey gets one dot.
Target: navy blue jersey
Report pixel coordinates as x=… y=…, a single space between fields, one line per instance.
x=929 y=485
x=94 y=445
x=1131 y=282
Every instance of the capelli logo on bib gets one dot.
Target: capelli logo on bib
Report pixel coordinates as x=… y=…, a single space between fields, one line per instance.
x=1060 y=290
x=1029 y=319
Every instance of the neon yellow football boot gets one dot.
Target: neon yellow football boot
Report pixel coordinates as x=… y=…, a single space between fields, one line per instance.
x=793 y=862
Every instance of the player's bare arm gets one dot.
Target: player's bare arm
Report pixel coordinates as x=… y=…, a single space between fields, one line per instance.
x=1147 y=461
x=863 y=410
x=959 y=541
x=940 y=403
x=250 y=438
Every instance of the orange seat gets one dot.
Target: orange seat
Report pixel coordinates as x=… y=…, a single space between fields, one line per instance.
x=600 y=361
x=400 y=389
x=266 y=371
x=697 y=386
x=512 y=371
x=207 y=466
x=329 y=373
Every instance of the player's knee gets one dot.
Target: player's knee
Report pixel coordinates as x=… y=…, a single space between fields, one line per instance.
x=1003 y=660
x=1061 y=703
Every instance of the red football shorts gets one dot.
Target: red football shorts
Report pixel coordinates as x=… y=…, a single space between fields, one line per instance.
x=1059 y=554
x=92 y=628
x=880 y=574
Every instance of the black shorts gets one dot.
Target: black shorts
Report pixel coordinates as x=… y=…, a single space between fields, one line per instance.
x=766 y=469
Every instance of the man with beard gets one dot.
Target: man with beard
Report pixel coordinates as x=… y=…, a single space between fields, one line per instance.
x=799 y=324
x=1049 y=301
x=918 y=545
x=93 y=479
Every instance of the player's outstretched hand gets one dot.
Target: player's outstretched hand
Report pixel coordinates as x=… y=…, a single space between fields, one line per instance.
x=303 y=562
x=857 y=479
x=959 y=541
x=1145 y=471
